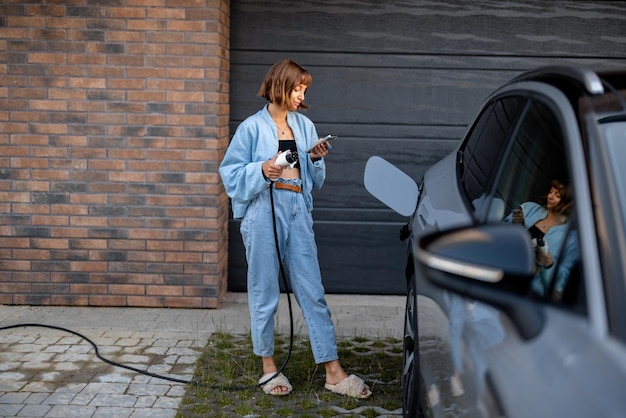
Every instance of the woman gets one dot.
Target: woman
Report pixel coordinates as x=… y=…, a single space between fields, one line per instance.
x=248 y=166
x=547 y=225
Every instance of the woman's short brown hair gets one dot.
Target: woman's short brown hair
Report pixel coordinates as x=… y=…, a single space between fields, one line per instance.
x=281 y=80
x=565 y=190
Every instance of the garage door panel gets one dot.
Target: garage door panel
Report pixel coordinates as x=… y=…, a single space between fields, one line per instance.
x=378 y=95
x=399 y=79
x=528 y=28
x=372 y=267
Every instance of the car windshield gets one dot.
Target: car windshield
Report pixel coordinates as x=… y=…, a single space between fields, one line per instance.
x=615 y=135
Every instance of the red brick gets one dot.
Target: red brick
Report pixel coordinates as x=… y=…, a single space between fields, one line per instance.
x=50 y=220
x=186 y=166
x=125 y=83
x=146 y=301
x=164 y=290
x=146 y=119
x=166 y=13
x=119 y=36
x=85 y=288
x=98 y=300
x=88 y=266
x=31 y=254
x=15 y=287
x=188 y=120
x=126 y=177
x=164 y=246
x=126 y=12
x=147 y=256
x=29 y=139
x=49 y=128
x=75 y=59
x=66 y=22
x=184 y=302
x=189 y=97
x=186 y=143
x=165 y=37
x=30 y=208
x=185 y=25
x=146 y=234
x=44 y=58
x=31 y=299
x=105 y=72
x=88 y=199
x=107 y=165
x=69 y=209
x=67 y=70
x=150 y=3
x=69 y=300
x=50 y=243
x=13 y=128
x=146 y=49
x=14 y=197
x=146 y=96
x=146 y=165
x=26 y=21
x=14 y=265
x=106 y=118
x=72 y=232
x=89 y=83
x=166 y=84
x=145 y=72
x=166 y=154
x=100 y=221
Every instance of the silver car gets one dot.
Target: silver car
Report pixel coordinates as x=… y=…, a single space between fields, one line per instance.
x=516 y=305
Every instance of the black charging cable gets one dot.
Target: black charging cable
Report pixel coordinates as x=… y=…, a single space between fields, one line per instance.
x=192 y=382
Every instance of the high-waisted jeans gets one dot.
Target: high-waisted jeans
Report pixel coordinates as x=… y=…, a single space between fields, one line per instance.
x=296 y=239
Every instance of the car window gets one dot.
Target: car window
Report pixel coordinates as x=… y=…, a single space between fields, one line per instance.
x=480 y=154
x=534 y=166
x=615 y=134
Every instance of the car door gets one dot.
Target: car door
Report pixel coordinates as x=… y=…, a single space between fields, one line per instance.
x=450 y=366
x=569 y=367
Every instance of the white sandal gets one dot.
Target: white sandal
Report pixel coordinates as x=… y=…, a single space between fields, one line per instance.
x=278 y=381
x=351 y=386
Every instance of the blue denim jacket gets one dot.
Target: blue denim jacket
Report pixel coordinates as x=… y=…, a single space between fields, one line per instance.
x=256 y=141
x=561 y=245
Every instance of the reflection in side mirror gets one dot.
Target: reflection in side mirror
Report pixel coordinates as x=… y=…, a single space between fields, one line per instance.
x=489 y=263
x=391 y=186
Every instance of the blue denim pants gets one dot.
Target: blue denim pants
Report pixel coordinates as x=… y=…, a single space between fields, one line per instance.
x=296 y=240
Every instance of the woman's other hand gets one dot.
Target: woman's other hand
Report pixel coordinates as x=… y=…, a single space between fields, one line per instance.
x=320 y=151
x=544 y=259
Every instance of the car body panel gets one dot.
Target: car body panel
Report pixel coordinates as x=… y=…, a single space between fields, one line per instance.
x=474 y=359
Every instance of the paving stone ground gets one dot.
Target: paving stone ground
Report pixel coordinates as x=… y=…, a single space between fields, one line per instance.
x=50 y=373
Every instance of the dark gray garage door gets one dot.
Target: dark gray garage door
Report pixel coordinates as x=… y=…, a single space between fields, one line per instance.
x=399 y=79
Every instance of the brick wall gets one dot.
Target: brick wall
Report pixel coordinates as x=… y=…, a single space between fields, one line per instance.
x=113 y=119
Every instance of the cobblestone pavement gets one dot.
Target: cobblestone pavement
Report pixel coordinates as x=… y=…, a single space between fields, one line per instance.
x=49 y=373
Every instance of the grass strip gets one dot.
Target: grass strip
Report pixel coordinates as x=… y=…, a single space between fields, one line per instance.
x=227 y=361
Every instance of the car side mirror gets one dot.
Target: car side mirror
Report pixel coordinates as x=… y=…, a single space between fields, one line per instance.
x=391 y=186
x=488 y=263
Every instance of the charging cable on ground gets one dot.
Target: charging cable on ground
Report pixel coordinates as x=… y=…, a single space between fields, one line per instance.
x=191 y=382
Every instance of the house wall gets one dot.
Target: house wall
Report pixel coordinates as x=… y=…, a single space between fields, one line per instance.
x=113 y=119
x=115 y=114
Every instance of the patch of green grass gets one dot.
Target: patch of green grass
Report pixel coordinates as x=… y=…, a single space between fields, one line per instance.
x=227 y=372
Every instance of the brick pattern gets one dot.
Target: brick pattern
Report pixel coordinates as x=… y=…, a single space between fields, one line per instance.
x=113 y=119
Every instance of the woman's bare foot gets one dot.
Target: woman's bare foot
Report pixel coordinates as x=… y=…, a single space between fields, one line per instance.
x=270 y=367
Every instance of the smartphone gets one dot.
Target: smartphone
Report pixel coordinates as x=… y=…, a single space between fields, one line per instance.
x=322 y=140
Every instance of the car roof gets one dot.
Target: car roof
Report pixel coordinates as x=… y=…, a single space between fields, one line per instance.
x=605 y=89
